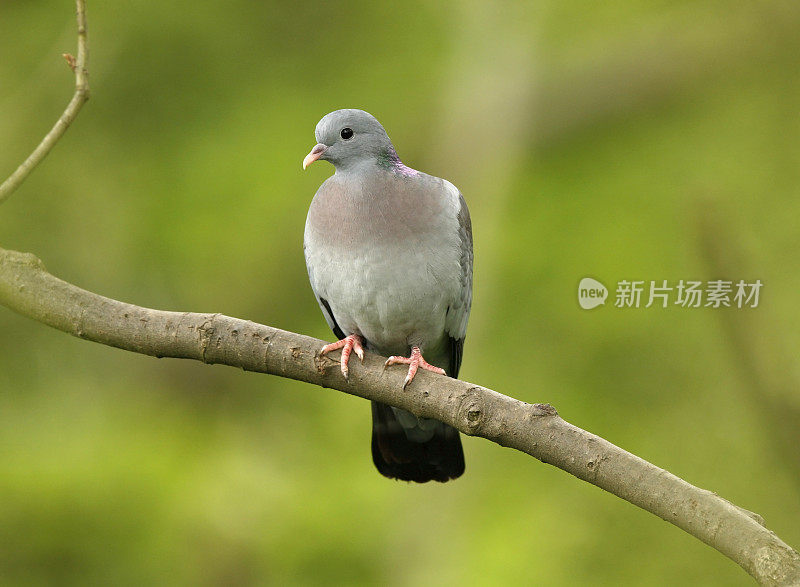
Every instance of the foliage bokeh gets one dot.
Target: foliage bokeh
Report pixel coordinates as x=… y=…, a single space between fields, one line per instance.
x=625 y=140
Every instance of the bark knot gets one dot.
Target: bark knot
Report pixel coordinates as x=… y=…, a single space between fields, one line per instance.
x=472 y=411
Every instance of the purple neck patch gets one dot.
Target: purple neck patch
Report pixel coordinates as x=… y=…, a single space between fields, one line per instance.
x=390 y=161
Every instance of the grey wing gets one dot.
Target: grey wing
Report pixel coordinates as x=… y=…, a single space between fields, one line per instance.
x=458 y=313
x=324 y=305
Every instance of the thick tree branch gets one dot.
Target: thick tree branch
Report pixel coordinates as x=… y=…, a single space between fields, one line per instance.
x=79 y=66
x=26 y=287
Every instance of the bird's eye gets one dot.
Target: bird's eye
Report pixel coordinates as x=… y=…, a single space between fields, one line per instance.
x=347 y=133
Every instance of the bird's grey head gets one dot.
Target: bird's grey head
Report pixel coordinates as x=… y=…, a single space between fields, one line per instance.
x=348 y=137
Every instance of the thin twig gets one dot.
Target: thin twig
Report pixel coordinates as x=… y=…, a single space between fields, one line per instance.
x=79 y=66
x=26 y=287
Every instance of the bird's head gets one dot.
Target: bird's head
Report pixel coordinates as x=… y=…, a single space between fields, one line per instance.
x=346 y=137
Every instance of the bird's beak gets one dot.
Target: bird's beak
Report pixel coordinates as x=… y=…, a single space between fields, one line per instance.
x=315 y=154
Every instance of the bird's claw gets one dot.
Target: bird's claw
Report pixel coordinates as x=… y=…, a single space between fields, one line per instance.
x=348 y=344
x=414 y=362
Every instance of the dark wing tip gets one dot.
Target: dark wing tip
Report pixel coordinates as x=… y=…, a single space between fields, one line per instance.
x=456 y=352
x=334 y=325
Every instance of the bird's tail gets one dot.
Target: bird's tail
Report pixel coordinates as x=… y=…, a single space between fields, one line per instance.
x=406 y=453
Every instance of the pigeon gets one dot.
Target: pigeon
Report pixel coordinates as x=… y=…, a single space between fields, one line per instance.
x=389 y=256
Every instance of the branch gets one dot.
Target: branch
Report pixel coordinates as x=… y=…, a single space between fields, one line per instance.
x=79 y=66
x=26 y=287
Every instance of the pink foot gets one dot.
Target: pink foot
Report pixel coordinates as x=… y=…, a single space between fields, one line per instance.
x=414 y=362
x=348 y=344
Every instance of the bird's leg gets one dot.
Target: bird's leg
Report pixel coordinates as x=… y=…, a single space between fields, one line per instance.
x=348 y=344
x=414 y=362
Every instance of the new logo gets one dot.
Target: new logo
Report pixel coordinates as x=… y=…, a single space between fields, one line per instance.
x=591 y=293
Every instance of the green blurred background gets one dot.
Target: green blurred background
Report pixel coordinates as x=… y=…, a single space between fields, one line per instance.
x=621 y=140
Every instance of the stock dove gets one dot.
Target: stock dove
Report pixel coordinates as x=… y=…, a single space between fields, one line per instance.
x=389 y=257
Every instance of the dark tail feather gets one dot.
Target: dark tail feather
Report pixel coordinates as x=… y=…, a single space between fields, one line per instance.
x=397 y=457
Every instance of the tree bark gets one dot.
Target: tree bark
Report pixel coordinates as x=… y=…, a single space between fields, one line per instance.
x=536 y=429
